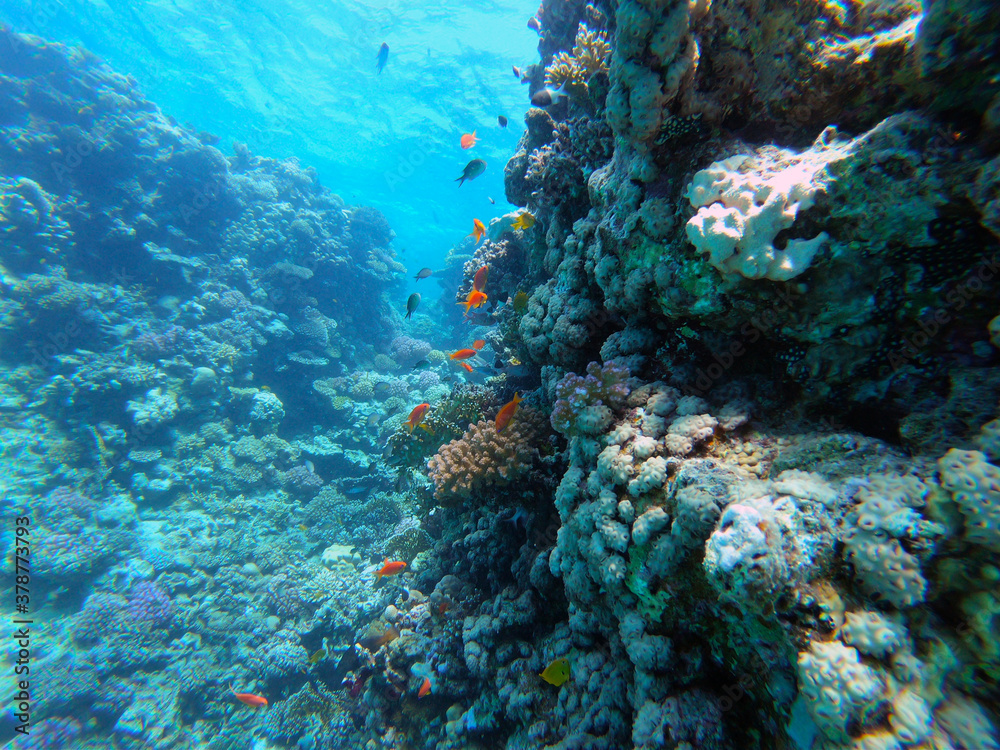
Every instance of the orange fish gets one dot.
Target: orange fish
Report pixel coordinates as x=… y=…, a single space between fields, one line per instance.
x=478 y=344
x=249 y=698
x=479 y=282
x=507 y=413
x=390 y=569
x=469 y=139
x=417 y=417
x=478 y=230
x=464 y=354
x=466 y=365
x=425 y=688
x=475 y=299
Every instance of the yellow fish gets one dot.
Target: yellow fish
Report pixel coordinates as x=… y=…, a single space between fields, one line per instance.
x=525 y=221
x=520 y=302
x=321 y=654
x=557 y=672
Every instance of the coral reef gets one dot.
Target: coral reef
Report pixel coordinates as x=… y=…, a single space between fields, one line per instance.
x=753 y=502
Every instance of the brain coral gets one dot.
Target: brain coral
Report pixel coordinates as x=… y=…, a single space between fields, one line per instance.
x=484 y=457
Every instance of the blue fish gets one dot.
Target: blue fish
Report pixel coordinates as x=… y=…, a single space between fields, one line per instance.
x=382 y=58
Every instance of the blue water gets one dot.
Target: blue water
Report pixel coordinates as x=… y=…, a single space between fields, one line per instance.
x=298 y=79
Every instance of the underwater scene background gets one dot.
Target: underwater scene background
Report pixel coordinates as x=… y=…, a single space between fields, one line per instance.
x=340 y=412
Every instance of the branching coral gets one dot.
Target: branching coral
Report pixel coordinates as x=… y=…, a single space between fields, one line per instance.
x=589 y=57
x=483 y=456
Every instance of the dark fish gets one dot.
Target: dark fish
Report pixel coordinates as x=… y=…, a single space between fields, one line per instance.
x=382 y=58
x=373 y=420
x=481 y=318
x=472 y=170
x=387 y=451
x=548 y=97
x=348 y=663
x=491 y=200
x=382 y=389
x=412 y=303
x=501 y=121
x=422 y=365
x=423 y=273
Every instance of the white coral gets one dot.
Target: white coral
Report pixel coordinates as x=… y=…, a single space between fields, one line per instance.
x=872 y=634
x=614 y=466
x=652 y=475
x=648 y=524
x=974 y=484
x=806 y=485
x=836 y=685
x=743 y=203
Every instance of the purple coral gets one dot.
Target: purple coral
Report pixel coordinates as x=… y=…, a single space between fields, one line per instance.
x=149 y=603
x=152 y=345
x=408 y=351
x=605 y=385
x=66 y=510
x=427 y=379
x=301 y=481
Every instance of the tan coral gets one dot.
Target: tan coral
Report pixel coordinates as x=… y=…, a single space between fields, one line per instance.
x=589 y=56
x=482 y=457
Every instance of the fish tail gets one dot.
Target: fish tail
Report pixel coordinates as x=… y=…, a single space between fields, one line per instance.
x=425 y=427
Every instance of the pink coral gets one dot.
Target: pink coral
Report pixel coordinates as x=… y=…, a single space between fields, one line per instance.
x=483 y=457
x=605 y=385
x=408 y=351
